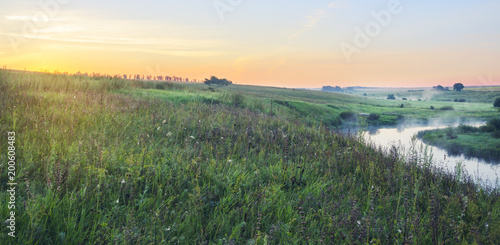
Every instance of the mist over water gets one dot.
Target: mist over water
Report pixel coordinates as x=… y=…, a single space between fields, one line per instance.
x=486 y=173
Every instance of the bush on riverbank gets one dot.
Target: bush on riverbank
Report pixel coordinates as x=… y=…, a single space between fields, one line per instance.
x=481 y=142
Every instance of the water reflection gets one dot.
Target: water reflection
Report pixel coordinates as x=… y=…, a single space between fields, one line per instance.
x=401 y=137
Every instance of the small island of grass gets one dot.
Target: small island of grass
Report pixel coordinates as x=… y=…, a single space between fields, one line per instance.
x=480 y=142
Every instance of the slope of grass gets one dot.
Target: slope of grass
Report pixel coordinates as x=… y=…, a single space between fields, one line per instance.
x=98 y=166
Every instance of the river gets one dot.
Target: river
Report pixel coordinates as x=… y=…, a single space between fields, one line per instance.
x=481 y=171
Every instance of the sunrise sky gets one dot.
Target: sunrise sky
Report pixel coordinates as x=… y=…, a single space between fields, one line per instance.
x=300 y=44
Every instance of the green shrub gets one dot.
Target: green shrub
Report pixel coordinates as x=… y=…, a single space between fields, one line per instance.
x=348 y=116
x=496 y=134
x=494 y=124
x=373 y=117
x=451 y=133
x=161 y=86
x=497 y=102
x=237 y=99
x=466 y=129
x=447 y=108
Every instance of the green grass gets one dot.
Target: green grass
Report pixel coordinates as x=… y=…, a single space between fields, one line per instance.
x=470 y=141
x=123 y=162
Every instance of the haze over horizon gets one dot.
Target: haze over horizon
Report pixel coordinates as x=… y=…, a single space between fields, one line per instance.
x=295 y=44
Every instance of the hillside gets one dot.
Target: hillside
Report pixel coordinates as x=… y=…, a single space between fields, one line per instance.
x=134 y=162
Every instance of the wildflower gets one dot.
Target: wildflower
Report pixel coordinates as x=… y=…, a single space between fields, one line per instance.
x=359 y=222
x=229 y=160
x=158 y=128
x=123 y=181
x=169 y=134
x=192 y=137
x=164 y=121
x=167 y=229
x=117 y=200
x=98 y=186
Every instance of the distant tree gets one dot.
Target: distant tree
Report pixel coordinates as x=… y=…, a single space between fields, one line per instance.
x=439 y=88
x=497 y=102
x=391 y=97
x=332 y=89
x=458 y=87
x=216 y=81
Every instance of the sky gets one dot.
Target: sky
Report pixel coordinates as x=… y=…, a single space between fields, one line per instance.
x=295 y=44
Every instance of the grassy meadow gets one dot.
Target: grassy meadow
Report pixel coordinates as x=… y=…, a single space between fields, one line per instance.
x=110 y=161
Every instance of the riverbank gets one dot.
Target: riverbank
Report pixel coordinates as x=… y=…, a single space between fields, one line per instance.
x=479 y=142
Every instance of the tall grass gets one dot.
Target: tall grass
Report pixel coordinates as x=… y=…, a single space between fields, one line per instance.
x=100 y=167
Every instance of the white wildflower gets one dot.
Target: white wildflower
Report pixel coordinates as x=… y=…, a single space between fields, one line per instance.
x=169 y=134
x=229 y=160
x=164 y=121
x=158 y=128
x=117 y=201
x=192 y=137
x=359 y=222
x=123 y=181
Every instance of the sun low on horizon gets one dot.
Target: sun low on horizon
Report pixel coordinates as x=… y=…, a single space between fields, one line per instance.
x=296 y=44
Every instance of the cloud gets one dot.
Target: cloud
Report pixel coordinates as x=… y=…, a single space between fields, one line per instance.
x=337 y=4
x=312 y=21
x=18 y=17
x=128 y=35
x=314 y=18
